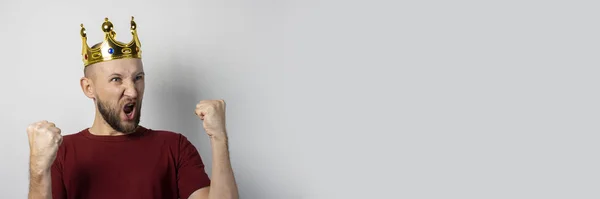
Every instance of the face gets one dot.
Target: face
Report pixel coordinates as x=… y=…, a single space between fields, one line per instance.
x=117 y=88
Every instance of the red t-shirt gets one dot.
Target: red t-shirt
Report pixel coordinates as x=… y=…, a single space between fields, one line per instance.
x=146 y=164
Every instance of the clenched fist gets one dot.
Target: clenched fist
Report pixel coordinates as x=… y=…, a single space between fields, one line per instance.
x=44 y=139
x=212 y=112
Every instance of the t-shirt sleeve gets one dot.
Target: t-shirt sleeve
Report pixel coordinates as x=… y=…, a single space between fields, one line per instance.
x=191 y=175
x=56 y=173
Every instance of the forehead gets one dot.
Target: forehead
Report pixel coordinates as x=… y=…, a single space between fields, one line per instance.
x=124 y=66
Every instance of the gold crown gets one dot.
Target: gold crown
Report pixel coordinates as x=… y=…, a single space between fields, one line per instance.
x=110 y=48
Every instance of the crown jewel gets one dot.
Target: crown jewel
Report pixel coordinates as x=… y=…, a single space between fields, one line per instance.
x=110 y=48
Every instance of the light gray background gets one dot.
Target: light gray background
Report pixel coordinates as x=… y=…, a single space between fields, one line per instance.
x=336 y=99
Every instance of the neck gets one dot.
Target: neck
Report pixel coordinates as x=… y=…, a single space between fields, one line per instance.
x=101 y=127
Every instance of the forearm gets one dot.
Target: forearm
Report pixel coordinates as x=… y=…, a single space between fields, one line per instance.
x=223 y=185
x=40 y=184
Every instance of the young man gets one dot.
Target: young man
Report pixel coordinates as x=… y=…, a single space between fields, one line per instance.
x=116 y=157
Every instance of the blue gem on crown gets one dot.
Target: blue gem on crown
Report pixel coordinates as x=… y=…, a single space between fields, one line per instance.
x=111 y=51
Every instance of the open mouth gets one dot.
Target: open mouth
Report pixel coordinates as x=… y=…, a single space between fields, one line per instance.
x=129 y=110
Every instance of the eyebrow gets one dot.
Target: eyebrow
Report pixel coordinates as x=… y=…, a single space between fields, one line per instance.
x=117 y=74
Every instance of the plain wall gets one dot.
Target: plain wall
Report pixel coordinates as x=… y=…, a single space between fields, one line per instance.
x=335 y=99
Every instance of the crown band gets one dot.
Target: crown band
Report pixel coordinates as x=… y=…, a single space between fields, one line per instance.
x=110 y=48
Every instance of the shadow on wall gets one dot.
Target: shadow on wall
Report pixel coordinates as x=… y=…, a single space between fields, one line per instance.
x=182 y=86
x=175 y=100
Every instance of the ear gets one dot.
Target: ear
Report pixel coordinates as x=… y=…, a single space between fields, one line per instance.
x=87 y=87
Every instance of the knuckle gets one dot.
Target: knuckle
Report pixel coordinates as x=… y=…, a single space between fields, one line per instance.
x=42 y=127
x=53 y=129
x=37 y=129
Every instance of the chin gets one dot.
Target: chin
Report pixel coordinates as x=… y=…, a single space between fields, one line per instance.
x=129 y=128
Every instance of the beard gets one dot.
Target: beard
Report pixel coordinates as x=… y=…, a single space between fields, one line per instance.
x=112 y=116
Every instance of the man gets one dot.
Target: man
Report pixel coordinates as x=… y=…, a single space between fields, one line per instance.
x=116 y=157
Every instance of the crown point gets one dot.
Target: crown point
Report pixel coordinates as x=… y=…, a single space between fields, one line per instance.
x=107 y=26
x=133 y=25
x=82 y=32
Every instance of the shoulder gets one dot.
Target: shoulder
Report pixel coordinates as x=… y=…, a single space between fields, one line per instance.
x=166 y=135
x=68 y=138
x=178 y=143
x=174 y=140
x=162 y=133
x=70 y=142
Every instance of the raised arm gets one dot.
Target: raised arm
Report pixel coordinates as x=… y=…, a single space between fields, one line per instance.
x=44 y=140
x=223 y=185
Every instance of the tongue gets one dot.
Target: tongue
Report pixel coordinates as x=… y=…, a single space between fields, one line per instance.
x=128 y=109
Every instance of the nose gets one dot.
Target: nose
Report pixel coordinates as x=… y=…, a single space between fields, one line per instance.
x=131 y=90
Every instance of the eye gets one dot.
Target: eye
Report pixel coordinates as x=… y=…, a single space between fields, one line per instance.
x=115 y=79
x=139 y=77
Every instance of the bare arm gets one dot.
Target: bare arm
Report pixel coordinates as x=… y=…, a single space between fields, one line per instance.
x=40 y=184
x=223 y=185
x=44 y=140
